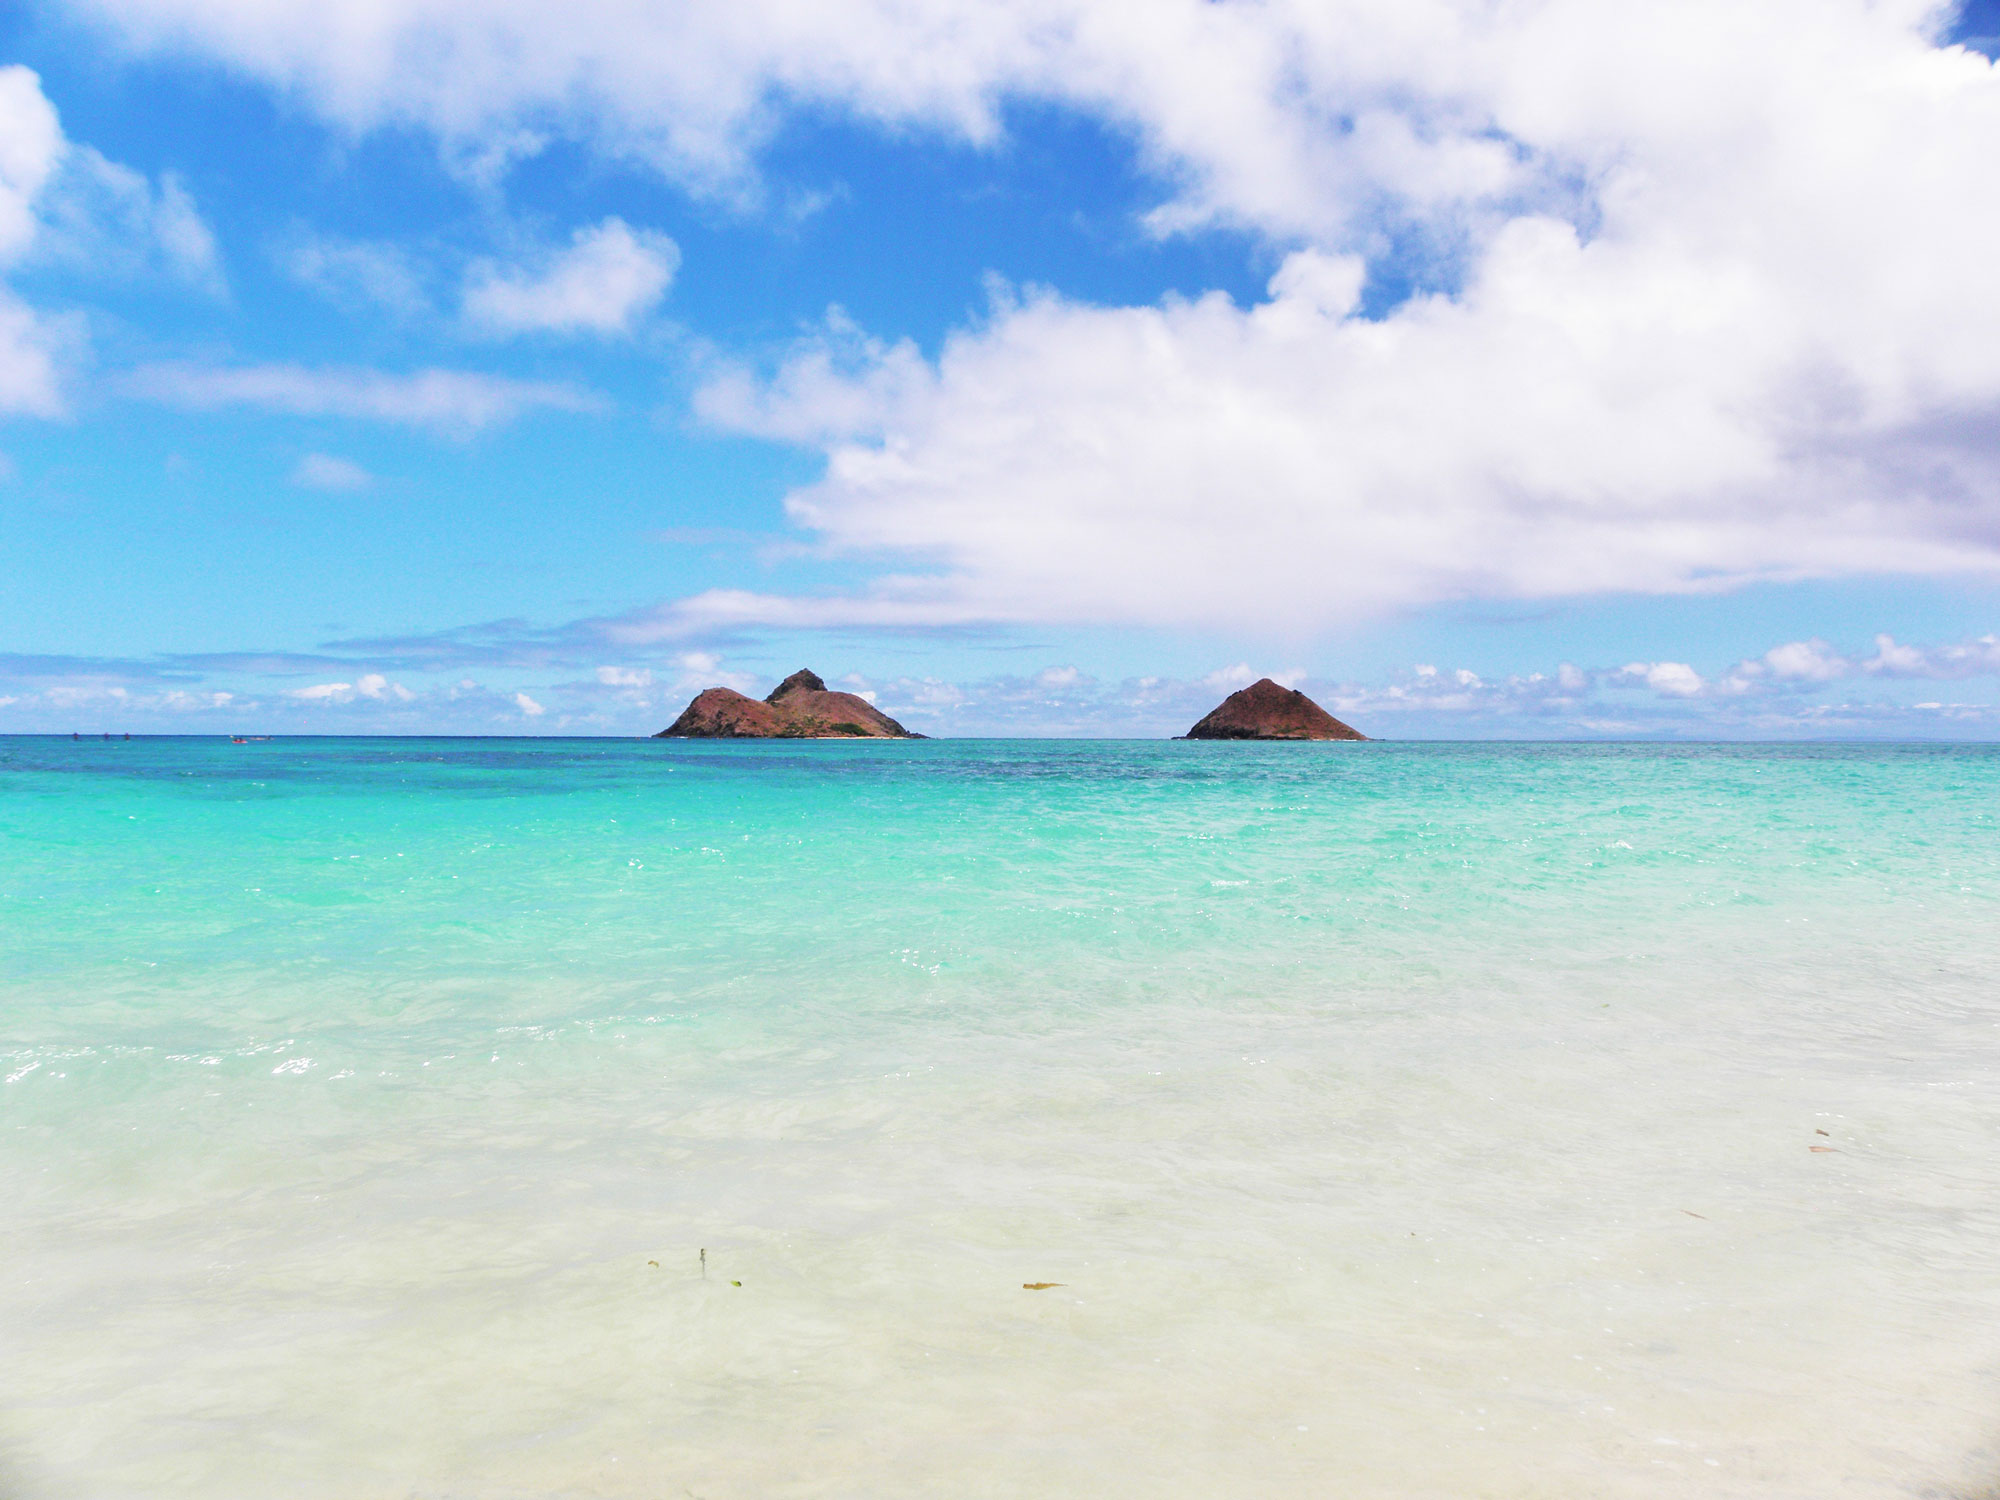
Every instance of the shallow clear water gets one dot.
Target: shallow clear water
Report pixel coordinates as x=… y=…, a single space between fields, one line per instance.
x=1398 y=1120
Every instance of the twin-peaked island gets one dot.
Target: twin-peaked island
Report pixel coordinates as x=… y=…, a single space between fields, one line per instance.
x=802 y=708
x=799 y=708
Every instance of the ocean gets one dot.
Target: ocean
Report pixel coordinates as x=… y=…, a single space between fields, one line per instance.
x=537 y=1118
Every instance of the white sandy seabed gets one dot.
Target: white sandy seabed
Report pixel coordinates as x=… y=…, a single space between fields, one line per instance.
x=1547 y=1245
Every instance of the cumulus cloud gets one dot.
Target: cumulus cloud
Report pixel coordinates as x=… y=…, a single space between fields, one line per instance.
x=607 y=277
x=31 y=148
x=637 y=687
x=1979 y=657
x=449 y=400
x=1714 y=309
x=1670 y=679
x=1288 y=114
x=1710 y=303
x=1806 y=661
x=528 y=706
x=1558 y=428
x=63 y=203
x=372 y=686
x=323 y=471
x=625 y=677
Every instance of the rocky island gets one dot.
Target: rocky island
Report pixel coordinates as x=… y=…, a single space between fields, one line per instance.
x=799 y=708
x=1265 y=711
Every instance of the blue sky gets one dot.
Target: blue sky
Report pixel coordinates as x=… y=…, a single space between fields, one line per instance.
x=460 y=367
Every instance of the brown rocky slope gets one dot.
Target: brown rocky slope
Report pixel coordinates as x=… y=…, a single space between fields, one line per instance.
x=799 y=708
x=1265 y=711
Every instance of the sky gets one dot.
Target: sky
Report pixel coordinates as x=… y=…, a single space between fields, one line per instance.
x=1521 y=368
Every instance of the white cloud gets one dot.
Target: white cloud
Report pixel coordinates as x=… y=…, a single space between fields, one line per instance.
x=1900 y=661
x=449 y=400
x=1979 y=657
x=104 y=218
x=528 y=706
x=1287 y=115
x=372 y=686
x=184 y=236
x=31 y=146
x=1242 y=674
x=1718 y=302
x=66 y=203
x=358 y=272
x=606 y=278
x=323 y=471
x=1806 y=661
x=625 y=677
x=1815 y=663
x=893 y=603
x=693 y=671
x=1556 y=430
x=29 y=349
x=1670 y=679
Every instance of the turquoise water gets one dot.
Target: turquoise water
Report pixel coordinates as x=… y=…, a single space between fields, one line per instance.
x=1397 y=1119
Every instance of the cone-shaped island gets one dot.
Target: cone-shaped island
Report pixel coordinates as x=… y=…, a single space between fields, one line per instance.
x=1265 y=711
x=799 y=708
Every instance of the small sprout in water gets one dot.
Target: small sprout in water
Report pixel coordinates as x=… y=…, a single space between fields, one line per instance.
x=1692 y=1214
x=736 y=1283
x=1819 y=1132
x=1834 y=1149
x=1039 y=1286
x=654 y=1264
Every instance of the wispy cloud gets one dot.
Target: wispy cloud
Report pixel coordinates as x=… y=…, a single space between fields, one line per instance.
x=894 y=604
x=101 y=218
x=452 y=401
x=511 y=643
x=25 y=667
x=368 y=273
x=323 y=471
